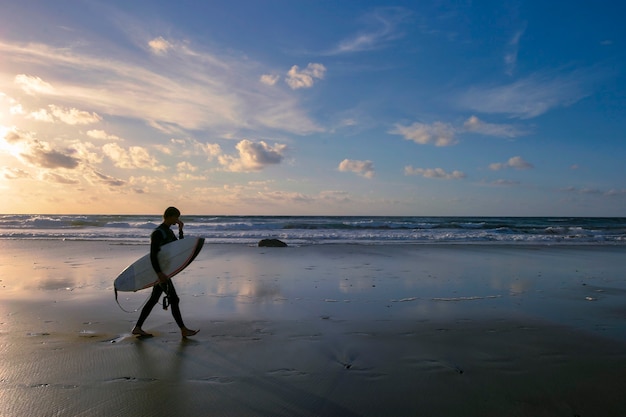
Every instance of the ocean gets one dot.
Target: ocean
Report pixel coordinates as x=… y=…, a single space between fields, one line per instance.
x=315 y=230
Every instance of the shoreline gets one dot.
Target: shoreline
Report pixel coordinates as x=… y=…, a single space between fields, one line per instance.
x=348 y=330
x=328 y=229
x=297 y=243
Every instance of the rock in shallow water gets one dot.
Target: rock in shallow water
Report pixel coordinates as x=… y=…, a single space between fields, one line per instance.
x=272 y=243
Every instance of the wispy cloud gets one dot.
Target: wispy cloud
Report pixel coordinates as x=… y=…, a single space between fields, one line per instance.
x=505 y=183
x=510 y=55
x=595 y=191
x=14 y=173
x=70 y=116
x=531 y=96
x=171 y=87
x=381 y=26
x=446 y=134
x=33 y=85
x=59 y=178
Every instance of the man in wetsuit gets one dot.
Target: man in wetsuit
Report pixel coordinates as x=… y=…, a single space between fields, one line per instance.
x=161 y=236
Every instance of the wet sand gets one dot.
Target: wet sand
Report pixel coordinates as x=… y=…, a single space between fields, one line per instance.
x=337 y=330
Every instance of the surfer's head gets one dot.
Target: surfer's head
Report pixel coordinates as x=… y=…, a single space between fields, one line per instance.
x=171 y=212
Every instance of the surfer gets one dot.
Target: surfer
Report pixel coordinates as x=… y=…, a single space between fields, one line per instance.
x=159 y=237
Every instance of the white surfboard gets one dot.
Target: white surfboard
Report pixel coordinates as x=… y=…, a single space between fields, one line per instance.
x=173 y=258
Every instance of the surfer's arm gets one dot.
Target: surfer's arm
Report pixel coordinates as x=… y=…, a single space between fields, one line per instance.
x=156 y=240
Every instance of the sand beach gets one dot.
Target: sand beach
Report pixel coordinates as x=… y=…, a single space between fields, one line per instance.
x=326 y=330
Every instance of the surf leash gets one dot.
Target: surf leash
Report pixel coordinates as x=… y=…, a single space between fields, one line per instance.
x=127 y=311
x=166 y=300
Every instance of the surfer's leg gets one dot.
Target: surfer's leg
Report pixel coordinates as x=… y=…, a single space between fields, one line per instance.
x=145 y=312
x=174 y=303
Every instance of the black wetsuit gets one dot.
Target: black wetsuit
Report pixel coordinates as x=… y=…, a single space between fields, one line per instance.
x=161 y=236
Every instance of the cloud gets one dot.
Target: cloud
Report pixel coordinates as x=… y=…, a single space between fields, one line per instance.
x=14 y=173
x=505 y=183
x=41 y=115
x=510 y=56
x=70 y=116
x=26 y=147
x=135 y=157
x=531 y=96
x=434 y=173
x=212 y=150
x=184 y=90
x=269 y=79
x=363 y=168
x=475 y=125
x=613 y=192
x=190 y=147
x=107 y=179
x=516 y=162
x=159 y=46
x=11 y=104
x=438 y=133
x=595 y=191
x=305 y=78
x=102 y=135
x=87 y=152
x=335 y=196
x=186 y=166
x=444 y=134
x=284 y=197
x=186 y=172
x=14 y=141
x=33 y=85
x=382 y=27
x=12 y=136
x=60 y=179
x=16 y=109
x=253 y=156
x=40 y=154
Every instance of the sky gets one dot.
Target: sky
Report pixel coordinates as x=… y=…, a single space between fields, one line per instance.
x=313 y=107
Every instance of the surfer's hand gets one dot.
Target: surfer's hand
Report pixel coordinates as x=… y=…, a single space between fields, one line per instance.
x=162 y=278
x=180 y=228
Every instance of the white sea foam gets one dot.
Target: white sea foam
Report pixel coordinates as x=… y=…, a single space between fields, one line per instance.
x=325 y=229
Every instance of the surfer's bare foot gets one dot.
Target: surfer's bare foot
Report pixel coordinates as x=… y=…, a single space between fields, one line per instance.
x=139 y=332
x=188 y=332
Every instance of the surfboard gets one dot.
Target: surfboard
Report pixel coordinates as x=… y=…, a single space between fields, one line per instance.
x=173 y=258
